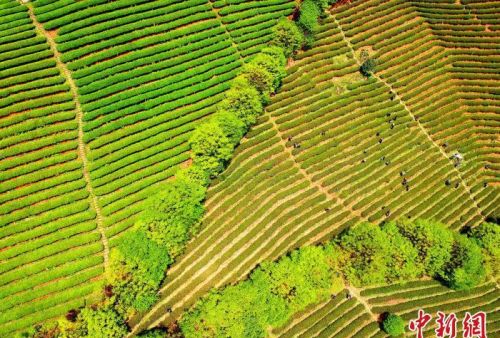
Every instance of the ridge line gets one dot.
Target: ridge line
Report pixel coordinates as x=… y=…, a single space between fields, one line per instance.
x=79 y=117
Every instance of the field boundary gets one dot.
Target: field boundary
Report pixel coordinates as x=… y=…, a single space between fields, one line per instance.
x=79 y=116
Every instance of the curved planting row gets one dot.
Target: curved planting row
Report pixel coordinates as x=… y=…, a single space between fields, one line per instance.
x=406 y=299
x=470 y=32
x=324 y=157
x=341 y=316
x=426 y=53
x=146 y=72
x=50 y=250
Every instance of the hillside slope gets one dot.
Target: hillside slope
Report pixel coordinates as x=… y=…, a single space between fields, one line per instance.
x=97 y=102
x=334 y=149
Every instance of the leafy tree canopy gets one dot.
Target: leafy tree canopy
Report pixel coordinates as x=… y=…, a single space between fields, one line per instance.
x=287 y=35
x=393 y=325
x=243 y=101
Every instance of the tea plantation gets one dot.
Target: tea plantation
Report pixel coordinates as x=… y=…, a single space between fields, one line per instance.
x=388 y=112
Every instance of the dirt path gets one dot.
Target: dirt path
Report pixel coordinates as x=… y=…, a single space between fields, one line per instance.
x=422 y=129
x=79 y=116
x=356 y=294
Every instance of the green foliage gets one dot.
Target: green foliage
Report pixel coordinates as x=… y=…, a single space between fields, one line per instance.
x=433 y=241
x=193 y=173
x=309 y=15
x=243 y=101
x=322 y=4
x=170 y=216
x=102 y=323
x=393 y=325
x=232 y=127
x=137 y=267
x=365 y=253
x=155 y=333
x=260 y=79
x=99 y=322
x=465 y=268
x=403 y=262
x=231 y=312
x=273 y=65
x=287 y=35
x=272 y=294
x=487 y=236
x=368 y=67
x=277 y=53
x=211 y=148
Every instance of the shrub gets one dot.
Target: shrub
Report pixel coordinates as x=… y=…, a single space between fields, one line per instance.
x=243 y=101
x=273 y=293
x=170 y=216
x=393 y=325
x=287 y=35
x=211 y=148
x=102 y=323
x=98 y=322
x=137 y=267
x=259 y=78
x=194 y=173
x=403 y=263
x=155 y=333
x=277 y=53
x=309 y=15
x=465 y=268
x=273 y=65
x=432 y=240
x=365 y=252
x=232 y=127
x=368 y=67
x=487 y=236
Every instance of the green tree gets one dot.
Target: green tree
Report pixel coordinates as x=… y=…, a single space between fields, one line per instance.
x=102 y=323
x=195 y=174
x=211 y=148
x=155 y=333
x=309 y=15
x=243 y=101
x=433 y=241
x=231 y=312
x=98 y=322
x=403 y=263
x=277 y=53
x=368 y=67
x=137 y=267
x=365 y=252
x=393 y=325
x=273 y=65
x=487 y=236
x=465 y=269
x=171 y=216
x=287 y=35
x=298 y=280
x=232 y=127
x=259 y=78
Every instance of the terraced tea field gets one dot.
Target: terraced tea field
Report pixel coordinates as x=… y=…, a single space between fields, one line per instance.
x=99 y=98
x=97 y=101
x=334 y=148
x=344 y=317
